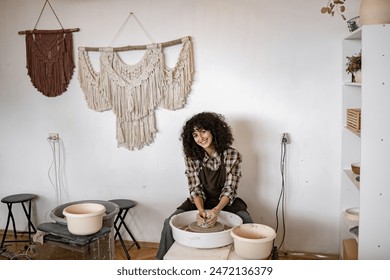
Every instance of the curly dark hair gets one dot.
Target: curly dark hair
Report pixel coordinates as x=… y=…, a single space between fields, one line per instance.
x=213 y=122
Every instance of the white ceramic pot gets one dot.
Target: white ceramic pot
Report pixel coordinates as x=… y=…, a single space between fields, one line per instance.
x=253 y=241
x=374 y=12
x=84 y=218
x=352 y=216
x=180 y=222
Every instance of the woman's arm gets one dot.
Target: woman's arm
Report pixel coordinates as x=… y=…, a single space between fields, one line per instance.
x=200 y=206
x=233 y=161
x=222 y=203
x=194 y=185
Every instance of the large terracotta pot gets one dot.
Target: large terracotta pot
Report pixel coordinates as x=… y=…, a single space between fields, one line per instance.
x=374 y=12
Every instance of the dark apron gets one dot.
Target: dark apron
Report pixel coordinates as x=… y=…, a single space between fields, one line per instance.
x=213 y=183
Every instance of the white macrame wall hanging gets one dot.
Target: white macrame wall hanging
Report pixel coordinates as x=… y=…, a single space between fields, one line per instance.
x=134 y=92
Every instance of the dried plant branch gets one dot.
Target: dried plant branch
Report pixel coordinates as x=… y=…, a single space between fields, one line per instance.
x=334 y=6
x=354 y=63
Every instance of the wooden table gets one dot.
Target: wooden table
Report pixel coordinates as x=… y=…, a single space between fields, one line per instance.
x=181 y=252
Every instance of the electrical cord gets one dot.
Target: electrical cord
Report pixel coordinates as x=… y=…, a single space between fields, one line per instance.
x=56 y=162
x=281 y=201
x=20 y=255
x=56 y=172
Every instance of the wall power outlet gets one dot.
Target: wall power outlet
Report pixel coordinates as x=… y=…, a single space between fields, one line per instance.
x=285 y=138
x=53 y=137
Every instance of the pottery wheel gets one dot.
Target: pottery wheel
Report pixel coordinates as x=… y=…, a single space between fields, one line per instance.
x=195 y=228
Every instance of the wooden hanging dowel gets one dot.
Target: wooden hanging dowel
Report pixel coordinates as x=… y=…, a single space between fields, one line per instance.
x=136 y=47
x=37 y=31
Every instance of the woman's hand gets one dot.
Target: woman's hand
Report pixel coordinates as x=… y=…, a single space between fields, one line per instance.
x=201 y=217
x=212 y=217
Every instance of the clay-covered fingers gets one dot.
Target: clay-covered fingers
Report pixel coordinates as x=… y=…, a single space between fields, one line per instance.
x=201 y=218
x=212 y=217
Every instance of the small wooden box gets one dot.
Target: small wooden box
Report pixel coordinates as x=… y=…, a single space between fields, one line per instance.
x=350 y=249
x=354 y=119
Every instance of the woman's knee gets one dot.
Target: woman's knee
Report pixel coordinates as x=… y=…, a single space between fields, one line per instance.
x=167 y=220
x=246 y=218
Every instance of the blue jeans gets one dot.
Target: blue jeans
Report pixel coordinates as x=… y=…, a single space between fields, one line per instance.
x=166 y=240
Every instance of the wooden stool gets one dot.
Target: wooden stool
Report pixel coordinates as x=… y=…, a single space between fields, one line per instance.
x=59 y=244
x=18 y=198
x=124 y=206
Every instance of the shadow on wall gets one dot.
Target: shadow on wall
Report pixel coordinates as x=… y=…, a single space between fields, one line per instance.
x=252 y=138
x=246 y=141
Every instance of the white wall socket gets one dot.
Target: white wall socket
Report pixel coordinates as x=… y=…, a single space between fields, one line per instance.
x=53 y=136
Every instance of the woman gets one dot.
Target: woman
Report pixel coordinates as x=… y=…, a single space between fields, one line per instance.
x=213 y=170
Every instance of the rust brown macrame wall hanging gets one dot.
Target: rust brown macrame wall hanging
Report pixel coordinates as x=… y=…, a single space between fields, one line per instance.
x=49 y=57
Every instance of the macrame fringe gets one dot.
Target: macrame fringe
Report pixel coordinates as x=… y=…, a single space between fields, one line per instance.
x=133 y=92
x=177 y=81
x=136 y=134
x=96 y=96
x=50 y=63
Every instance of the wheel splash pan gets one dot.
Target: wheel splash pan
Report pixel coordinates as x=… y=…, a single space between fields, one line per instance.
x=206 y=240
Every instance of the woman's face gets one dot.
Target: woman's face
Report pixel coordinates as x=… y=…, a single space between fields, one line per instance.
x=203 y=138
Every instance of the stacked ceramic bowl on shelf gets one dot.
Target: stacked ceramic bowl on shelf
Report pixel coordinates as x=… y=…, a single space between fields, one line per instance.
x=352 y=214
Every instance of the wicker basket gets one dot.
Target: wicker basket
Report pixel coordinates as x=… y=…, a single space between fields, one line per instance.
x=354 y=119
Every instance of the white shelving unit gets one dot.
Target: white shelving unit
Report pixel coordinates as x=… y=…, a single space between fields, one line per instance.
x=370 y=147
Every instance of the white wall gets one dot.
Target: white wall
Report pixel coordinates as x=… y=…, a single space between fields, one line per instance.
x=268 y=66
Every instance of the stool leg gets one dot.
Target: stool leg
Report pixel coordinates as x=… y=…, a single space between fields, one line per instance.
x=122 y=218
x=123 y=243
x=12 y=218
x=28 y=215
x=117 y=233
x=131 y=235
x=29 y=218
x=6 y=227
x=115 y=222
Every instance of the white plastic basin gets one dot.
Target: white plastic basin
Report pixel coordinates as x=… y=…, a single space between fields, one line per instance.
x=253 y=241
x=84 y=218
x=112 y=210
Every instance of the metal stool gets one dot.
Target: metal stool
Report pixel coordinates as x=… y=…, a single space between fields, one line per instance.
x=18 y=198
x=124 y=206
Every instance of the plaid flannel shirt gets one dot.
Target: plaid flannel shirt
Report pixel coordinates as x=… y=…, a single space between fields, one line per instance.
x=232 y=161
